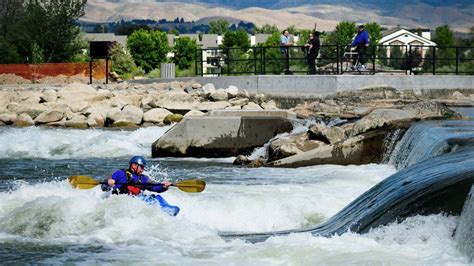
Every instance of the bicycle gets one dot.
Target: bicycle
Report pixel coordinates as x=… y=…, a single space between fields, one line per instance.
x=347 y=61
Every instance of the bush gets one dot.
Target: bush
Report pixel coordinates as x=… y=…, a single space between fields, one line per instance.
x=123 y=63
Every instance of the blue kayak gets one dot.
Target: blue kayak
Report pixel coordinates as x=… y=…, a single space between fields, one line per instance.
x=157 y=199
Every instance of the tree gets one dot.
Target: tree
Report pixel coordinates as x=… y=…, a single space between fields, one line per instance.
x=101 y=28
x=148 y=48
x=375 y=32
x=52 y=26
x=122 y=62
x=184 y=52
x=238 y=38
x=266 y=28
x=444 y=38
x=273 y=58
x=8 y=52
x=345 y=32
x=10 y=12
x=220 y=26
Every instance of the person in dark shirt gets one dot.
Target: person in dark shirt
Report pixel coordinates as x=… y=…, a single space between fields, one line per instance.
x=312 y=47
x=361 y=42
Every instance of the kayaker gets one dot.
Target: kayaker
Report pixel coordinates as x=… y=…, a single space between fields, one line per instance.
x=132 y=181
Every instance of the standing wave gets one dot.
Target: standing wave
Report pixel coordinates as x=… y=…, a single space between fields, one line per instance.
x=56 y=143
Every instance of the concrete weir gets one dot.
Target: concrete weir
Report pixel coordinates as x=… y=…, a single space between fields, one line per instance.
x=222 y=133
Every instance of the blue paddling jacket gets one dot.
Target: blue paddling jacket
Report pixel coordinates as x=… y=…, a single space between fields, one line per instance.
x=127 y=182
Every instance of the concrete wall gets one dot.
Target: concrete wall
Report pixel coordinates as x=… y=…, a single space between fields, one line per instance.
x=303 y=86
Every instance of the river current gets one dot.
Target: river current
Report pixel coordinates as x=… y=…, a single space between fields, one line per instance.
x=45 y=221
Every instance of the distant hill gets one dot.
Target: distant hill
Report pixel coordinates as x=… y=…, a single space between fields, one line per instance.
x=301 y=13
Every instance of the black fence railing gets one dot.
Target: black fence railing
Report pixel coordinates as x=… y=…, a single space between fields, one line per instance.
x=337 y=60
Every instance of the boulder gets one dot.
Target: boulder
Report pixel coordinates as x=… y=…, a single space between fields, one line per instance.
x=129 y=115
x=194 y=113
x=172 y=118
x=232 y=91
x=252 y=106
x=49 y=117
x=8 y=118
x=156 y=115
x=291 y=145
x=362 y=149
x=219 y=95
x=270 y=105
x=206 y=136
x=241 y=160
x=24 y=120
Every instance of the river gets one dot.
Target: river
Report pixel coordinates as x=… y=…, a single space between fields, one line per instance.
x=45 y=221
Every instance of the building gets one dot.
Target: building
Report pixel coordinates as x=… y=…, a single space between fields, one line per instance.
x=408 y=39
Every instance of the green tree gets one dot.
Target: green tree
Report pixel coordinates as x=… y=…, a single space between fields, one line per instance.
x=122 y=62
x=36 y=54
x=273 y=60
x=8 y=52
x=184 y=52
x=52 y=26
x=444 y=38
x=344 y=33
x=220 y=26
x=396 y=57
x=375 y=32
x=266 y=28
x=11 y=11
x=148 y=48
x=101 y=28
x=238 y=38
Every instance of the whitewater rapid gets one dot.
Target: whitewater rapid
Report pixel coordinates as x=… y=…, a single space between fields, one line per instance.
x=44 y=220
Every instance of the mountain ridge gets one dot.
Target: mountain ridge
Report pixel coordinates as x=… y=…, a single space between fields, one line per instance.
x=411 y=14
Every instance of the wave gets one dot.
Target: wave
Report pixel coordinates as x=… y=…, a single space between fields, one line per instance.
x=55 y=143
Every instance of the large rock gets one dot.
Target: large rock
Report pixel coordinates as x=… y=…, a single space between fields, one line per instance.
x=389 y=117
x=291 y=145
x=362 y=149
x=49 y=116
x=130 y=115
x=208 y=136
x=24 y=120
x=156 y=115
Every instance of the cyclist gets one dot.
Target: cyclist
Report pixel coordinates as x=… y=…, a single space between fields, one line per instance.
x=361 y=42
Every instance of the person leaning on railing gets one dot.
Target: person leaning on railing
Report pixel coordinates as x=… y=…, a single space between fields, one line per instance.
x=361 y=42
x=285 y=51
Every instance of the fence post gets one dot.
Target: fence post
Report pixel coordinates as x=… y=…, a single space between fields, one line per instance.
x=374 y=50
x=202 y=62
x=196 y=62
x=337 y=60
x=434 y=60
x=457 y=60
x=407 y=47
x=263 y=60
x=90 y=73
x=228 y=61
x=254 y=61
x=167 y=70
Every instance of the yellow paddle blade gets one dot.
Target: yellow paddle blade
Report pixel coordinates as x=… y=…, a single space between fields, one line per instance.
x=83 y=182
x=191 y=185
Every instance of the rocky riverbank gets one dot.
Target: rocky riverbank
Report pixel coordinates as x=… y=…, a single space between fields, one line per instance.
x=125 y=105
x=347 y=128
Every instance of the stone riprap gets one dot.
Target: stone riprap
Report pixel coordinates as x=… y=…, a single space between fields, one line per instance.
x=127 y=105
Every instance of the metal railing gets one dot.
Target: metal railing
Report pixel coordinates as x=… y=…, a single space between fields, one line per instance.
x=337 y=60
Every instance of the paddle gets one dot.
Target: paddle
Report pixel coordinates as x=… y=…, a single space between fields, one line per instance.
x=87 y=182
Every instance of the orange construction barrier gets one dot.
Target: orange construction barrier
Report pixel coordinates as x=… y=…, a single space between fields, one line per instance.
x=39 y=71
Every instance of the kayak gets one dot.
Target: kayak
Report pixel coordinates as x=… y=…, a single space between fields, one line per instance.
x=157 y=199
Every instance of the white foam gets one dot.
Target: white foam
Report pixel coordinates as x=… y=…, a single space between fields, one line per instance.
x=54 y=143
